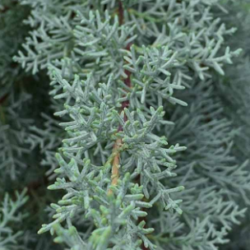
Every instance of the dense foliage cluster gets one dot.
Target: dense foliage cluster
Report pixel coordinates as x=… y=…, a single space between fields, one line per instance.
x=136 y=113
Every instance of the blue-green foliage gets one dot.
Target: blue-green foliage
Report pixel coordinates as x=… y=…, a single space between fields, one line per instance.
x=13 y=135
x=153 y=76
x=21 y=96
x=11 y=219
x=208 y=168
x=167 y=52
x=234 y=91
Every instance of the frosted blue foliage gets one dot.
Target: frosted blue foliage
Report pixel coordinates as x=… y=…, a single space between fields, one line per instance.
x=208 y=170
x=193 y=36
x=140 y=147
x=134 y=86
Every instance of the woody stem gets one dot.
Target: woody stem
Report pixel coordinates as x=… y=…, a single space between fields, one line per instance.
x=118 y=143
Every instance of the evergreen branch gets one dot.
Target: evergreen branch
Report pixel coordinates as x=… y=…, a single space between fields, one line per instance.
x=113 y=116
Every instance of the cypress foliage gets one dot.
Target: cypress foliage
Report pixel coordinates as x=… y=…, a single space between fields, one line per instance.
x=130 y=111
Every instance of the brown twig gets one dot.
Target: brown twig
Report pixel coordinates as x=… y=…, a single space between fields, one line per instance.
x=115 y=164
x=121 y=13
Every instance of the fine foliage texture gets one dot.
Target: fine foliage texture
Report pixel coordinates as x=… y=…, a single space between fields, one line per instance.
x=134 y=114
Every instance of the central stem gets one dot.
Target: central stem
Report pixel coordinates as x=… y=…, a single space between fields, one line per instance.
x=125 y=104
